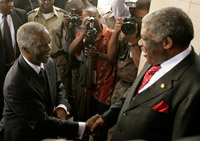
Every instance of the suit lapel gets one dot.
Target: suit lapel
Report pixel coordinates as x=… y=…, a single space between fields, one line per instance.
x=137 y=82
x=33 y=78
x=164 y=84
x=48 y=72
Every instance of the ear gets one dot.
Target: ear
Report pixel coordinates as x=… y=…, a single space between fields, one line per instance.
x=167 y=43
x=25 y=50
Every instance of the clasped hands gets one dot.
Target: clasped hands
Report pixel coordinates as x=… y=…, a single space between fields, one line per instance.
x=95 y=125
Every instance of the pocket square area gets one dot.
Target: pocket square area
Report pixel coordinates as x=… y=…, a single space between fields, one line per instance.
x=161 y=107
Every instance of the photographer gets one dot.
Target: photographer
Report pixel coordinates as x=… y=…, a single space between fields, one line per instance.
x=63 y=36
x=104 y=79
x=126 y=50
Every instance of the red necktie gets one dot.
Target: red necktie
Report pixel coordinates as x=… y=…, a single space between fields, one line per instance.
x=8 y=41
x=148 y=76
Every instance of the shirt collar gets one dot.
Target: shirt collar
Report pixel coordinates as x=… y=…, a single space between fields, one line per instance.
x=169 y=64
x=1 y=15
x=36 y=68
x=54 y=12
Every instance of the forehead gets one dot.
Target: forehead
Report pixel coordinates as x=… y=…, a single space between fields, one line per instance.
x=90 y=12
x=42 y=36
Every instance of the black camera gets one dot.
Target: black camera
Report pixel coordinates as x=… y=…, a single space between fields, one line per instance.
x=129 y=26
x=74 y=18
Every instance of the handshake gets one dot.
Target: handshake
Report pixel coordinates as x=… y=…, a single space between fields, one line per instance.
x=95 y=126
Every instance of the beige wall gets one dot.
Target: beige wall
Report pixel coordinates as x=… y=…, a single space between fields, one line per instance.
x=104 y=6
x=191 y=7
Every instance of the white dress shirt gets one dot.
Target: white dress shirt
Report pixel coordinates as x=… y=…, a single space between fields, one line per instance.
x=167 y=66
x=12 y=29
x=82 y=125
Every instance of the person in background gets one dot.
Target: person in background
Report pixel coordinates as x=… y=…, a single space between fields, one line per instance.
x=104 y=70
x=163 y=102
x=10 y=20
x=126 y=51
x=63 y=36
x=32 y=89
x=86 y=3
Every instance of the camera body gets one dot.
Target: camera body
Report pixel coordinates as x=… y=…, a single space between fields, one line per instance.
x=129 y=26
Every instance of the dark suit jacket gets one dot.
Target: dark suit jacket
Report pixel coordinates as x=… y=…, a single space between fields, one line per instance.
x=19 y=17
x=179 y=89
x=27 y=5
x=28 y=105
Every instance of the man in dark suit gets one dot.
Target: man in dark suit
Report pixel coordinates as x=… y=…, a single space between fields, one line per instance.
x=15 y=18
x=167 y=106
x=33 y=92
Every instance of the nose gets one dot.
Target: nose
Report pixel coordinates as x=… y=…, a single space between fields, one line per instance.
x=49 y=47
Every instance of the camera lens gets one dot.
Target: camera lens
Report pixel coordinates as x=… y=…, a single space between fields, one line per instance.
x=128 y=28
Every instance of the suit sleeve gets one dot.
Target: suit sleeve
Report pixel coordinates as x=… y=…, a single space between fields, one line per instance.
x=61 y=93
x=110 y=117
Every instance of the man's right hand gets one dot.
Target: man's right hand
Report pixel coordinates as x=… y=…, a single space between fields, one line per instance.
x=98 y=127
x=66 y=19
x=118 y=24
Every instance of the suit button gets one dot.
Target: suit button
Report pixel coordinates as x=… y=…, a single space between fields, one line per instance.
x=125 y=114
x=119 y=131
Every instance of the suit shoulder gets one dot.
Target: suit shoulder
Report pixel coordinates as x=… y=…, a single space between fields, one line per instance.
x=20 y=11
x=61 y=10
x=33 y=11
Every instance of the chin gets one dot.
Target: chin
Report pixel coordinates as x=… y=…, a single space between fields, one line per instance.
x=46 y=60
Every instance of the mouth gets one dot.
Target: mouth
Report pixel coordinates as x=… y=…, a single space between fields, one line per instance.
x=47 y=55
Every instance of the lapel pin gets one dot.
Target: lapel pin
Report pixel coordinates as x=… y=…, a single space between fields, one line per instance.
x=162 y=85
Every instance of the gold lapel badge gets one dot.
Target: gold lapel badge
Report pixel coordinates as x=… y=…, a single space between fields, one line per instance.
x=162 y=85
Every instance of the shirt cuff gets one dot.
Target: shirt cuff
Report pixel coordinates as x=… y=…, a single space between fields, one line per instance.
x=81 y=129
x=63 y=107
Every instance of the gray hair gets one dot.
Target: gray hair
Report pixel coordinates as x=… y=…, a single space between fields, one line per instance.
x=170 y=22
x=25 y=34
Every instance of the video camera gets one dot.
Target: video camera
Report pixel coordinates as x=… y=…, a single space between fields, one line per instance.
x=91 y=34
x=129 y=26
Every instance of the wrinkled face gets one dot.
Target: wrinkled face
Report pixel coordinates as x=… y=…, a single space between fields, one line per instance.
x=6 y=6
x=40 y=50
x=46 y=6
x=153 y=51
